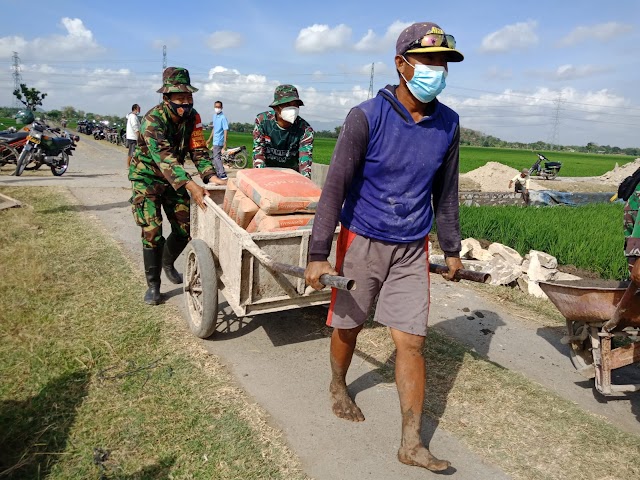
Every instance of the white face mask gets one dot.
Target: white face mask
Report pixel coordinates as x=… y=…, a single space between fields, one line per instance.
x=289 y=114
x=217 y=110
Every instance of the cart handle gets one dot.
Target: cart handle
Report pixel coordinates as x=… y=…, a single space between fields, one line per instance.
x=462 y=274
x=329 y=280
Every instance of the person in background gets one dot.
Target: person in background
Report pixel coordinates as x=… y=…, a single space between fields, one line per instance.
x=218 y=139
x=394 y=168
x=133 y=127
x=521 y=182
x=281 y=138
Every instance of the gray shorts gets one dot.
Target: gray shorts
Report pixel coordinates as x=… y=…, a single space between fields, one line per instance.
x=397 y=273
x=131 y=145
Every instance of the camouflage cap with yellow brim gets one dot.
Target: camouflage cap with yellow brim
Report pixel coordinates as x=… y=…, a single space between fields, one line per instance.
x=427 y=37
x=285 y=94
x=176 y=80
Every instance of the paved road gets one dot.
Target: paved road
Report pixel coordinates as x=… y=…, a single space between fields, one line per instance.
x=281 y=360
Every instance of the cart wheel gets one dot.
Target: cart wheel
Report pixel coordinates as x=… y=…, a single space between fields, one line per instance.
x=580 y=352
x=201 y=289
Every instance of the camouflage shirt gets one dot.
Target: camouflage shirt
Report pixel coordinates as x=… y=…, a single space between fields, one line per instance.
x=274 y=146
x=631 y=225
x=163 y=145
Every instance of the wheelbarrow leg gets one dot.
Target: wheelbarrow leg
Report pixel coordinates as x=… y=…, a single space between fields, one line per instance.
x=603 y=377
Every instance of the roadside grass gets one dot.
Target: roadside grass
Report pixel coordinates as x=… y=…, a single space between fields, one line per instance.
x=526 y=430
x=95 y=384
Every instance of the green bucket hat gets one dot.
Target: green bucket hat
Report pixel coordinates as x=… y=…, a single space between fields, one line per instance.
x=175 y=80
x=285 y=94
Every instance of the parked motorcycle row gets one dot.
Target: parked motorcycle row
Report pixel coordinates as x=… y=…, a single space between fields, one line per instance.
x=36 y=145
x=115 y=134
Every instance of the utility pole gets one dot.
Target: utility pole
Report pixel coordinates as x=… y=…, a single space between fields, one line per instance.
x=555 y=133
x=17 y=78
x=370 y=95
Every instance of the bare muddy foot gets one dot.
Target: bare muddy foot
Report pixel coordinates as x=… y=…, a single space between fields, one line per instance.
x=342 y=404
x=422 y=457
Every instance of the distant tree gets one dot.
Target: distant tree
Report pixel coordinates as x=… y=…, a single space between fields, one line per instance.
x=29 y=97
x=54 y=115
x=69 y=112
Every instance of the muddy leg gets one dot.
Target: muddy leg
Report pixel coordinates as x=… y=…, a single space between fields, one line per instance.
x=410 y=380
x=343 y=343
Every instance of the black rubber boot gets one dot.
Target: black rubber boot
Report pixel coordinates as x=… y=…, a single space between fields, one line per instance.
x=152 y=268
x=173 y=247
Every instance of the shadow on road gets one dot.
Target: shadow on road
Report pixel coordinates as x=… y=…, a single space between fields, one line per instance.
x=87 y=208
x=34 y=432
x=625 y=375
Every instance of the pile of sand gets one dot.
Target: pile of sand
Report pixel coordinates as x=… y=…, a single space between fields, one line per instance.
x=618 y=174
x=495 y=177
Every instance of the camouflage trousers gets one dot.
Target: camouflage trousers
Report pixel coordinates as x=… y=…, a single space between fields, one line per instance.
x=147 y=203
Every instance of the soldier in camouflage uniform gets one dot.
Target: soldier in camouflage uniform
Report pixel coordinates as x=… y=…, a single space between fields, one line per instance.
x=281 y=138
x=632 y=234
x=168 y=132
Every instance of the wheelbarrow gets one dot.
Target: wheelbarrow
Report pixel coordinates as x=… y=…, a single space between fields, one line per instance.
x=603 y=326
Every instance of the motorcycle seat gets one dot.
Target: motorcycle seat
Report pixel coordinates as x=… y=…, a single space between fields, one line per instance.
x=234 y=150
x=13 y=137
x=61 y=141
x=552 y=164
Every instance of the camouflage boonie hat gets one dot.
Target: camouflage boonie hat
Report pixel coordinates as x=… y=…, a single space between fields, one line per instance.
x=285 y=94
x=176 y=80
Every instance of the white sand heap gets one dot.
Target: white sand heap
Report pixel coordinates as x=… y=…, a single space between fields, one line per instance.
x=618 y=174
x=495 y=177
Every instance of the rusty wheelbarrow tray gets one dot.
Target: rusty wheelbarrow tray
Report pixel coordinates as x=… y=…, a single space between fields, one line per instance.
x=589 y=306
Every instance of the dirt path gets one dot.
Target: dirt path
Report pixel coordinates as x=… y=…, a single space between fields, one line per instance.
x=282 y=359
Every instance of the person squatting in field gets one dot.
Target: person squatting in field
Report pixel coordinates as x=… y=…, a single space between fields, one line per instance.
x=631 y=225
x=396 y=156
x=281 y=138
x=168 y=132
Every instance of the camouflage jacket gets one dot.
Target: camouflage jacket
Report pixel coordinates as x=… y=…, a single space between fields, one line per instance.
x=163 y=145
x=632 y=225
x=277 y=147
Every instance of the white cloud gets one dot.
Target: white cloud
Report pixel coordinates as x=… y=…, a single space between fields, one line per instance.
x=224 y=39
x=370 y=42
x=322 y=38
x=518 y=36
x=78 y=41
x=603 y=32
x=572 y=72
x=528 y=116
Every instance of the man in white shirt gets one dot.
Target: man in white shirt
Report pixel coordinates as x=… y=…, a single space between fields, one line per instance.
x=521 y=182
x=133 y=127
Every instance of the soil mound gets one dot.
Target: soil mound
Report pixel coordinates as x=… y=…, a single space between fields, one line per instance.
x=494 y=177
x=619 y=173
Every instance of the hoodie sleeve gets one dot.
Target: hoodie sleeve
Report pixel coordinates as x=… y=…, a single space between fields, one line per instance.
x=445 y=200
x=347 y=158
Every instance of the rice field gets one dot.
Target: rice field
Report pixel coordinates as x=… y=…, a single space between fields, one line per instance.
x=588 y=237
x=573 y=164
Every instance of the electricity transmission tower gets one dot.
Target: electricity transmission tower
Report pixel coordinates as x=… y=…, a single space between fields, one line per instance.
x=17 y=78
x=555 y=132
x=370 y=95
x=164 y=57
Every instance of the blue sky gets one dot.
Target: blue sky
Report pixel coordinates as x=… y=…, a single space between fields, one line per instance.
x=540 y=70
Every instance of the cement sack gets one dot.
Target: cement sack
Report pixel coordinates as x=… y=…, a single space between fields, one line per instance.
x=244 y=209
x=277 y=223
x=279 y=190
x=229 y=194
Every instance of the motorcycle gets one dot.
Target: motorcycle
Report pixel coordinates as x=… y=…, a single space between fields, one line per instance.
x=548 y=172
x=235 y=157
x=46 y=146
x=11 y=144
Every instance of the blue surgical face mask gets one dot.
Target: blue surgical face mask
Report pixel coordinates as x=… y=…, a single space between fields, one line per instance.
x=428 y=81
